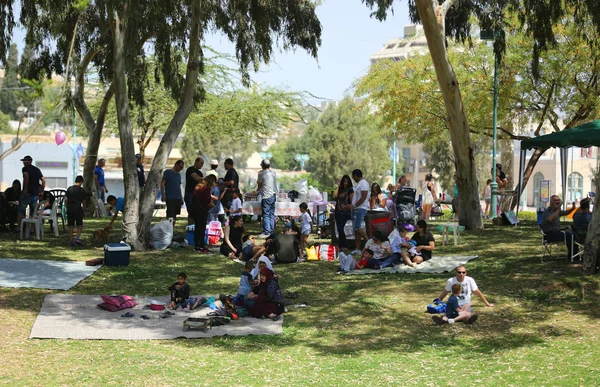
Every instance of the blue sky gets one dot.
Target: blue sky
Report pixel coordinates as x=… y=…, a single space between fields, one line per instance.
x=349 y=37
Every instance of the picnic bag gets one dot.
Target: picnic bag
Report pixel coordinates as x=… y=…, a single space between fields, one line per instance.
x=436 y=308
x=327 y=252
x=114 y=303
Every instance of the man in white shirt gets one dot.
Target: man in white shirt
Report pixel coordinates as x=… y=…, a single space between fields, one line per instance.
x=267 y=190
x=360 y=205
x=468 y=287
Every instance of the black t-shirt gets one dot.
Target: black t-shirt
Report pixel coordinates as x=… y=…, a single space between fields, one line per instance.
x=424 y=241
x=75 y=197
x=232 y=175
x=190 y=182
x=12 y=195
x=35 y=175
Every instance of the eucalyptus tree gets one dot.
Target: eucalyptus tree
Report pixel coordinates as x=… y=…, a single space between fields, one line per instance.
x=116 y=37
x=453 y=18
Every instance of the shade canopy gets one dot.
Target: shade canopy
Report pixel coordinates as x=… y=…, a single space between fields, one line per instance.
x=582 y=136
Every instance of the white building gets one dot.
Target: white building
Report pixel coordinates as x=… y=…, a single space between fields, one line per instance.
x=55 y=162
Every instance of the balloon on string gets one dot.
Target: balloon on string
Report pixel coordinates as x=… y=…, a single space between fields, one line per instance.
x=60 y=137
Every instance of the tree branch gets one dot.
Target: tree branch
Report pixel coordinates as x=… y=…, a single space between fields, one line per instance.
x=542 y=118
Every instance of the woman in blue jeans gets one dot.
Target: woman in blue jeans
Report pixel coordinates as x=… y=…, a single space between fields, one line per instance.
x=343 y=207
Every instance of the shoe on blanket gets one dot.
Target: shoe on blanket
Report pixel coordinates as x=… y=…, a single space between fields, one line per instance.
x=472 y=319
x=354 y=252
x=128 y=314
x=277 y=318
x=439 y=321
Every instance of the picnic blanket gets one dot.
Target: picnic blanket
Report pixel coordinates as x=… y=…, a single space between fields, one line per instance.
x=69 y=316
x=43 y=274
x=437 y=264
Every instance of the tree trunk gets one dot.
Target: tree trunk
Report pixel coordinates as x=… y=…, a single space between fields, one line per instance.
x=591 y=253
x=130 y=213
x=168 y=141
x=527 y=173
x=433 y=18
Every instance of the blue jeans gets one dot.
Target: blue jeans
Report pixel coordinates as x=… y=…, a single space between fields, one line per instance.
x=100 y=194
x=268 y=215
x=358 y=217
x=28 y=200
x=389 y=261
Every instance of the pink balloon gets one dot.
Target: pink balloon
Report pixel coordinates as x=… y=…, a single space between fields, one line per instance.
x=60 y=137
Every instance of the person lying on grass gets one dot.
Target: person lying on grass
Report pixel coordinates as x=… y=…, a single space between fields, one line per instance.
x=454 y=312
x=268 y=298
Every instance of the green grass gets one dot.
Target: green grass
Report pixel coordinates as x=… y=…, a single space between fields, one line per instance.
x=368 y=330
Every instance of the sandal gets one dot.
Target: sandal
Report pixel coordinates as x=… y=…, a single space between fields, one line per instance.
x=128 y=314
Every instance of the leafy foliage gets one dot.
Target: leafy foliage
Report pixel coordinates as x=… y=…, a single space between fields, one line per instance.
x=9 y=93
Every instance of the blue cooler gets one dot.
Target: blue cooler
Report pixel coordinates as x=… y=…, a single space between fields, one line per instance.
x=116 y=254
x=189 y=234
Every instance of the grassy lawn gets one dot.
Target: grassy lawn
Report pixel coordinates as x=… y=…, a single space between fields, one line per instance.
x=367 y=330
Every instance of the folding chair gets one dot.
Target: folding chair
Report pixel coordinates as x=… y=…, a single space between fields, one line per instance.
x=59 y=199
x=578 y=239
x=52 y=217
x=549 y=248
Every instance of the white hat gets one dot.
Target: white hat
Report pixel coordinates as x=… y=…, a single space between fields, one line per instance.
x=214 y=162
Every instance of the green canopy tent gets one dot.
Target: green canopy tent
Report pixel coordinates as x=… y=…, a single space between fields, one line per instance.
x=582 y=136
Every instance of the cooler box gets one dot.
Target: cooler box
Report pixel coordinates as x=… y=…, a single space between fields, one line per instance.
x=378 y=220
x=116 y=254
x=189 y=234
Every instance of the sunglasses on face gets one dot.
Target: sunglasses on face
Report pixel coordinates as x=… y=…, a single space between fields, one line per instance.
x=461 y=272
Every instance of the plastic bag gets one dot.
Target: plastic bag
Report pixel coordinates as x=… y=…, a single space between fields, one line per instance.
x=302 y=187
x=161 y=234
x=311 y=254
x=314 y=195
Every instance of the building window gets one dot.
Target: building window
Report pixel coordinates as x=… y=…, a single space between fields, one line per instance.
x=586 y=153
x=406 y=153
x=537 y=182
x=574 y=187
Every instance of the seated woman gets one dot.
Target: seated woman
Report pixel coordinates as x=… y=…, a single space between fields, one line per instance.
x=425 y=245
x=11 y=205
x=378 y=200
x=232 y=242
x=380 y=246
x=261 y=264
x=268 y=298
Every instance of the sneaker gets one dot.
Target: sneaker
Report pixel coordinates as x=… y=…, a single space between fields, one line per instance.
x=354 y=252
x=472 y=319
x=78 y=242
x=439 y=321
x=263 y=236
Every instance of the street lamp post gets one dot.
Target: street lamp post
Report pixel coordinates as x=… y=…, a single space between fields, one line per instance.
x=489 y=35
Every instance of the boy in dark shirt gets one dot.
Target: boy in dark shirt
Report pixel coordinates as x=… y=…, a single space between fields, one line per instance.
x=454 y=312
x=180 y=293
x=75 y=199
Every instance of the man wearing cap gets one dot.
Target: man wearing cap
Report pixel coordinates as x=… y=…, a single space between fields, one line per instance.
x=214 y=164
x=267 y=191
x=33 y=187
x=101 y=187
x=193 y=176
x=139 y=165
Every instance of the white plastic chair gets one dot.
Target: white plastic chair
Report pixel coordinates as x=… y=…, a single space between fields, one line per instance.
x=53 y=217
x=37 y=220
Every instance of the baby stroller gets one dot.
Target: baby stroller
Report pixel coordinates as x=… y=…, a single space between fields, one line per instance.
x=406 y=205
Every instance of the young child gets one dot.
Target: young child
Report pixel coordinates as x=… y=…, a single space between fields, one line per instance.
x=251 y=252
x=180 y=293
x=306 y=226
x=400 y=242
x=75 y=199
x=235 y=208
x=245 y=284
x=348 y=263
x=454 y=313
